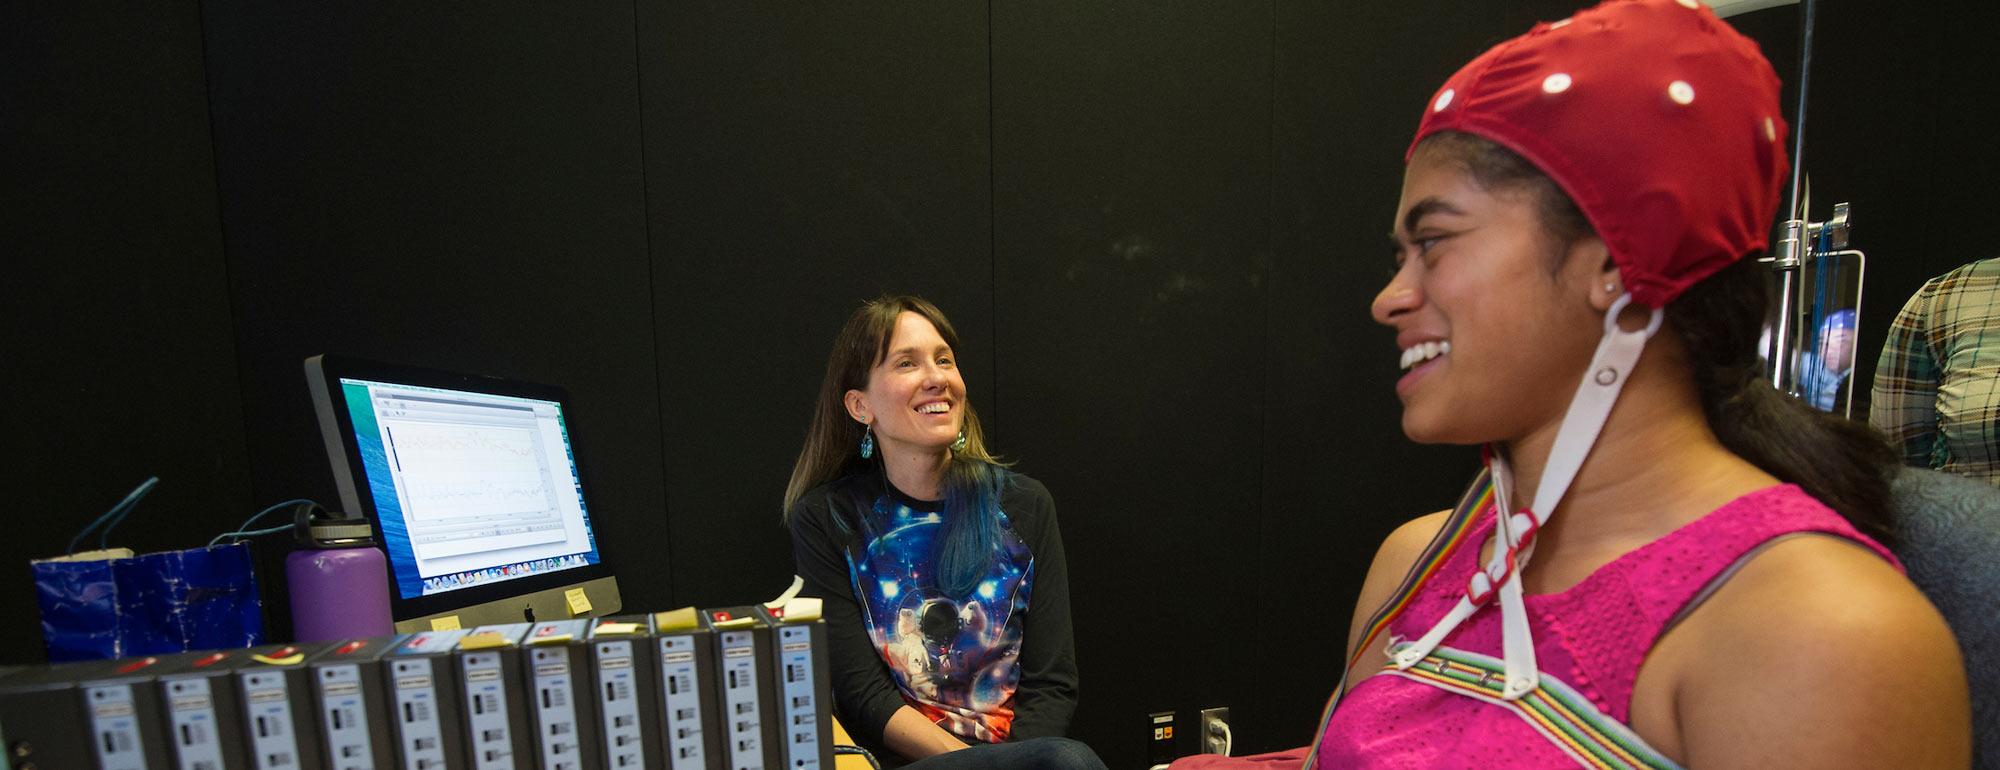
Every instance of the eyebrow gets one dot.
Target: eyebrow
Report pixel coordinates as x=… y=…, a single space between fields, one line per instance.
x=1424 y=208
x=911 y=351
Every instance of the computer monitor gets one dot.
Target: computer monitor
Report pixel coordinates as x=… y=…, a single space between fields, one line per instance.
x=472 y=487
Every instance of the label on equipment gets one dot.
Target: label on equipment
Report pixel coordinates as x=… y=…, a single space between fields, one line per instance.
x=486 y=706
x=345 y=716
x=555 y=709
x=795 y=663
x=191 y=716
x=273 y=743
x=618 y=701
x=114 y=724
x=745 y=726
x=417 y=714
x=682 y=698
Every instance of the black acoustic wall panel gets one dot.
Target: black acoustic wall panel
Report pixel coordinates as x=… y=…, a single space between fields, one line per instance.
x=1351 y=81
x=119 y=359
x=446 y=186
x=799 y=160
x=1132 y=178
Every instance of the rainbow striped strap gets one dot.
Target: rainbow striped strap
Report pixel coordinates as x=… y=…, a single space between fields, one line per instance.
x=1558 y=712
x=1477 y=498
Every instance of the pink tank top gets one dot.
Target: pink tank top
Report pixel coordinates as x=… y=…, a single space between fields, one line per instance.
x=1592 y=637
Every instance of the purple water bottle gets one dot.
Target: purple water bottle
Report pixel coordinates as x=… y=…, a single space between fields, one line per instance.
x=339 y=578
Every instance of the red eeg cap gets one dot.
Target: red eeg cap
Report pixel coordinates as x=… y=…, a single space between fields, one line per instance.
x=1655 y=116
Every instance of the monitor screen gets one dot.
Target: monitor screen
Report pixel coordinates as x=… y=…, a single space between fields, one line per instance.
x=469 y=488
x=471 y=485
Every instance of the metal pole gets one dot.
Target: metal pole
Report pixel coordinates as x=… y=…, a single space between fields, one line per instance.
x=1791 y=247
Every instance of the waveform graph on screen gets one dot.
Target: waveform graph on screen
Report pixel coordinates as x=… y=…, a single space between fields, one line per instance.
x=469 y=488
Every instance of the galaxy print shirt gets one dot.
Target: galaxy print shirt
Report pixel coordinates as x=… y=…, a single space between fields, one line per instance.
x=953 y=657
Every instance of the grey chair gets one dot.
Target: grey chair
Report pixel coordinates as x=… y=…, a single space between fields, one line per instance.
x=1949 y=528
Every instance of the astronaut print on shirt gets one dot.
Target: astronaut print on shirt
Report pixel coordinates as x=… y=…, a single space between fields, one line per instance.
x=953 y=657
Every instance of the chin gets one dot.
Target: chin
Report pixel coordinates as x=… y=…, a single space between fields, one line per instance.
x=1432 y=429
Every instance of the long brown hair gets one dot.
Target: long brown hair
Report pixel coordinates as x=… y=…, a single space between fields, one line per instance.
x=833 y=440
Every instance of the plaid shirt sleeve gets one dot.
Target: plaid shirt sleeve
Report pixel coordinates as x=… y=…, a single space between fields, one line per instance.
x=1903 y=402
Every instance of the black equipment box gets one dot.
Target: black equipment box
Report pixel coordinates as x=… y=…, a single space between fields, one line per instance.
x=495 y=717
x=352 y=706
x=421 y=678
x=560 y=695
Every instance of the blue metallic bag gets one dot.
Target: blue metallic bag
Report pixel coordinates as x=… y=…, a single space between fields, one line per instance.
x=171 y=601
x=115 y=604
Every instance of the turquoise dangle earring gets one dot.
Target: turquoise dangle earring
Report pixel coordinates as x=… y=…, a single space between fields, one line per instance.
x=959 y=444
x=867 y=441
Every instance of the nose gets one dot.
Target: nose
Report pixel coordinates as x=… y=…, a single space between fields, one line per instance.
x=934 y=376
x=1399 y=297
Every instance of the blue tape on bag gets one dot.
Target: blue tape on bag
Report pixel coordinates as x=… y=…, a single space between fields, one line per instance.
x=170 y=601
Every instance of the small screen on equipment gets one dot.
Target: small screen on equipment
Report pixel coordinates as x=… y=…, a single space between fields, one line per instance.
x=470 y=488
x=471 y=482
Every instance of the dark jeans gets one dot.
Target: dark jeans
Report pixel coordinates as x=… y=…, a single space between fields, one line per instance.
x=1036 y=754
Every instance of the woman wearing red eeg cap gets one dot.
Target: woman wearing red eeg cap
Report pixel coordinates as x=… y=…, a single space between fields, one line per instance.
x=1666 y=562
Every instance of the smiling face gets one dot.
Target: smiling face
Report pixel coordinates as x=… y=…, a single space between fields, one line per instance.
x=915 y=398
x=1494 y=317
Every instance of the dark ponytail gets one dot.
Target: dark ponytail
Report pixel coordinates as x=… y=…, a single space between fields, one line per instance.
x=1843 y=463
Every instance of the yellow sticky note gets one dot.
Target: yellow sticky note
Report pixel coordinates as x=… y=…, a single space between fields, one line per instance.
x=800 y=609
x=484 y=640
x=617 y=629
x=551 y=639
x=288 y=656
x=736 y=623
x=676 y=620
x=446 y=623
x=579 y=604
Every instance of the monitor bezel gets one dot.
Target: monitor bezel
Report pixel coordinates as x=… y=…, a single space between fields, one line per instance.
x=325 y=373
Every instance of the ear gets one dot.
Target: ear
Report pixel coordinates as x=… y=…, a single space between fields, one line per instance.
x=857 y=407
x=1606 y=285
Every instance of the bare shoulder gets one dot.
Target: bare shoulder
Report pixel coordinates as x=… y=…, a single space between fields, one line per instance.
x=1818 y=653
x=1392 y=561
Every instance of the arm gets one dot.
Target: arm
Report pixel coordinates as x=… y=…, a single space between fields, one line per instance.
x=1048 y=690
x=1833 y=661
x=1903 y=404
x=1392 y=561
x=868 y=702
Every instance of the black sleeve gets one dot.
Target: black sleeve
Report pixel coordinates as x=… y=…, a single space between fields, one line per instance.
x=863 y=693
x=1048 y=689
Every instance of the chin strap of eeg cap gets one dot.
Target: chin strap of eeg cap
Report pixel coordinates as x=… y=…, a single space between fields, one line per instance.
x=1514 y=533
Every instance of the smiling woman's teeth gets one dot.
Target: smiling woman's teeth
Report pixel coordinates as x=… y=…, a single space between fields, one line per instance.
x=939 y=408
x=1424 y=351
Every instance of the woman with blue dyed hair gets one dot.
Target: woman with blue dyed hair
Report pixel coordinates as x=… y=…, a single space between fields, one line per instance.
x=946 y=596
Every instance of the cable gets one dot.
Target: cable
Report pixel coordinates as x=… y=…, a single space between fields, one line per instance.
x=845 y=749
x=244 y=530
x=240 y=534
x=1228 y=741
x=115 y=515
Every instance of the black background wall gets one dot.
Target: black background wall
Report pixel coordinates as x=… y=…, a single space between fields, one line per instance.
x=1157 y=227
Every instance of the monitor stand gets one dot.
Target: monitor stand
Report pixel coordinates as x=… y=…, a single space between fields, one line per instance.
x=552 y=604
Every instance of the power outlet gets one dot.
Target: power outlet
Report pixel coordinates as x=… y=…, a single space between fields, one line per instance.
x=1215 y=730
x=1161 y=749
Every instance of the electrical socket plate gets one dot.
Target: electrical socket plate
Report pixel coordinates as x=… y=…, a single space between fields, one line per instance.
x=1211 y=737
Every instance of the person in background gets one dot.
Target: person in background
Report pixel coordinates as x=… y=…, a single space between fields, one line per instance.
x=1937 y=384
x=946 y=595
x=1824 y=372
